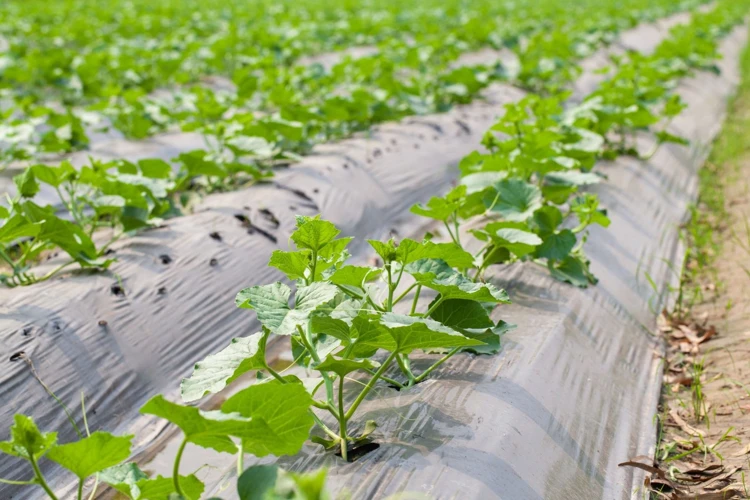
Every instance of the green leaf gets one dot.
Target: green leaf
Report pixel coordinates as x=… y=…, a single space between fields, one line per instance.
x=206 y=429
x=155 y=168
x=557 y=246
x=517 y=241
x=279 y=414
x=663 y=137
x=271 y=304
x=409 y=251
x=411 y=333
x=441 y=208
x=26 y=440
x=26 y=184
x=293 y=264
x=572 y=178
x=218 y=370
x=461 y=314
x=573 y=270
x=342 y=367
x=354 y=276
x=91 y=454
x=437 y=275
x=516 y=200
x=258 y=482
x=196 y=164
x=4 y=213
x=18 y=227
x=547 y=219
x=313 y=233
x=124 y=478
x=162 y=488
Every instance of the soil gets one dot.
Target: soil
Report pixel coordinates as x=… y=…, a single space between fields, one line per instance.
x=715 y=444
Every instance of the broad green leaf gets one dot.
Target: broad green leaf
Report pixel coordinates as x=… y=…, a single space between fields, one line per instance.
x=283 y=411
x=354 y=275
x=124 y=478
x=411 y=333
x=91 y=454
x=258 y=482
x=26 y=183
x=4 y=213
x=572 y=178
x=409 y=251
x=218 y=370
x=437 y=275
x=270 y=302
x=516 y=200
x=196 y=164
x=572 y=270
x=557 y=245
x=18 y=227
x=211 y=429
x=441 y=208
x=547 y=219
x=155 y=168
x=313 y=233
x=386 y=250
x=162 y=488
x=293 y=264
x=343 y=367
x=330 y=326
x=26 y=440
x=462 y=314
x=482 y=180
x=517 y=241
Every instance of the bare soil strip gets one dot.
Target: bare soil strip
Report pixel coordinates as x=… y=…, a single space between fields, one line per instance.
x=704 y=451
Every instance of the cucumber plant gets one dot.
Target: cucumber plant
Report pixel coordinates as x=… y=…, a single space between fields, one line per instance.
x=344 y=315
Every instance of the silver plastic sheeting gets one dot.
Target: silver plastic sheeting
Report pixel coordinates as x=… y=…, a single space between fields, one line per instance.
x=123 y=337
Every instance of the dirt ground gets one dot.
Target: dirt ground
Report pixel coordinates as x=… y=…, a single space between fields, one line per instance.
x=704 y=452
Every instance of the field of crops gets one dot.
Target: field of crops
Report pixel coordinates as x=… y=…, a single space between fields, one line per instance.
x=320 y=231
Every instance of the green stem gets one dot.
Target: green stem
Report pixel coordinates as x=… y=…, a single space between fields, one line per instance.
x=314 y=265
x=80 y=489
x=455 y=228
x=434 y=306
x=176 y=469
x=437 y=363
x=448 y=228
x=40 y=477
x=275 y=374
x=389 y=302
x=342 y=420
x=18 y=483
x=400 y=297
x=416 y=299
x=403 y=363
x=387 y=379
x=240 y=459
x=323 y=426
x=369 y=385
x=326 y=378
x=96 y=486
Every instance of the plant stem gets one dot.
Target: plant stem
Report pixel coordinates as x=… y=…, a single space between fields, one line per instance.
x=40 y=477
x=370 y=385
x=326 y=378
x=416 y=299
x=342 y=420
x=403 y=363
x=389 y=380
x=240 y=460
x=96 y=486
x=389 y=302
x=323 y=426
x=275 y=374
x=434 y=306
x=80 y=489
x=18 y=483
x=437 y=363
x=400 y=297
x=448 y=228
x=176 y=469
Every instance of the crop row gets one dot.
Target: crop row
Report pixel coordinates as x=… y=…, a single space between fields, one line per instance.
x=523 y=199
x=241 y=143
x=271 y=110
